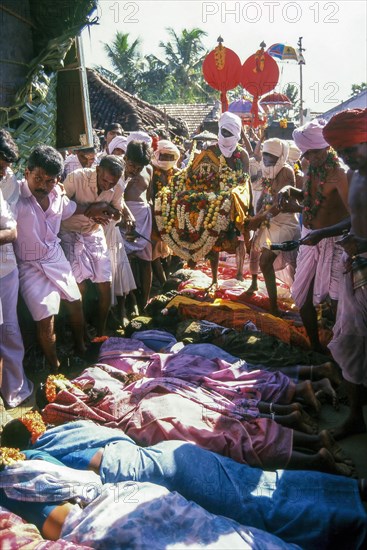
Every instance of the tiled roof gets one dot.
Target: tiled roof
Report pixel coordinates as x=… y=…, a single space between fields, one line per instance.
x=109 y=103
x=193 y=114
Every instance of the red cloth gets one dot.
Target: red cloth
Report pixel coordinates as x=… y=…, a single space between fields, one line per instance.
x=346 y=129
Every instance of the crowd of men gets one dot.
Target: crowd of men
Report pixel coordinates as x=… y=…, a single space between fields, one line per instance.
x=88 y=220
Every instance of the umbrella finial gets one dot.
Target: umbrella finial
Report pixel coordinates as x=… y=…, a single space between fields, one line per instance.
x=263 y=45
x=220 y=39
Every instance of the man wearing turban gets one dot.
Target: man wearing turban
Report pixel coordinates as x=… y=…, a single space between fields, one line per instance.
x=272 y=225
x=229 y=135
x=323 y=203
x=347 y=133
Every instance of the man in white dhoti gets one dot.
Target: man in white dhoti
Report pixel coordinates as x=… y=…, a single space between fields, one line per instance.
x=138 y=175
x=14 y=385
x=347 y=133
x=45 y=274
x=323 y=203
x=83 y=238
x=272 y=225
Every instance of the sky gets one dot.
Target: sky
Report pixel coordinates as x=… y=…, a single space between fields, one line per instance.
x=334 y=35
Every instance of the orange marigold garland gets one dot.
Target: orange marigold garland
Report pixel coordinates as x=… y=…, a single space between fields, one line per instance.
x=9 y=456
x=55 y=383
x=32 y=420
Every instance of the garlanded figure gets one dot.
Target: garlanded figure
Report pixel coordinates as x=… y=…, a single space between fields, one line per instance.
x=198 y=212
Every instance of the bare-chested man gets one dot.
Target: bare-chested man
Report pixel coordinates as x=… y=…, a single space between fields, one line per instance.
x=323 y=203
x=271 y=224
x=347 y=133
x=138 y=175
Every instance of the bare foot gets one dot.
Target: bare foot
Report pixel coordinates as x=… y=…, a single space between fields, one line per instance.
x=324 y=389
x=327 y=370
x=351 y=426
x=326 y=463
x=338 y=453
x=306 y=393
x=251 y=290
x=297 y=421
x=239 y=277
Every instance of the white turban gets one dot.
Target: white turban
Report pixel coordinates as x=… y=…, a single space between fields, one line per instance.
x=165 y=146
x=118 y=142
x=294 y=153
x=139 y=136
x=310 y=135
x=278 y=148
x=233 y=124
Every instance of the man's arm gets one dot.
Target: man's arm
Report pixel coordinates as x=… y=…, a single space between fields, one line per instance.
x=315 y=236
x=8 y=235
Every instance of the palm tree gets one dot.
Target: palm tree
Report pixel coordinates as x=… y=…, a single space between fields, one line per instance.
x=184 y=56
x=126 y=61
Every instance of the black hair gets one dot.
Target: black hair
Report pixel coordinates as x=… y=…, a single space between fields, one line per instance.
x=112 y=164
x=15 y=434
x=40 y=397
x=139 y=152
x=113 y=126
x=47 y=158
x=8 y=149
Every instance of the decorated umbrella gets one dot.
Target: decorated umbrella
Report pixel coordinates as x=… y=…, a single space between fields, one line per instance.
x=274 y=99
x=222 y=71
x=283 y=52
x=260 y=74
x=242 y=108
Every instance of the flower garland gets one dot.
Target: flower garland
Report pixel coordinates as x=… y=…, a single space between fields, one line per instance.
x=56 y=383
x=267 y=198
x=191 y=212
x=32 y=420
x=9 y=456
x=312 y=202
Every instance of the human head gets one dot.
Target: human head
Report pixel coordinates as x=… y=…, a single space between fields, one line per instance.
x=24 y=431
x=138 y=154
x=44 y=168
x=112 y=130
x=310 y=141
x=294 y=154
x=117 y=146
x=166 y=155
x=8 y=151
x=274 y=156
x=86 y=156
x=139 y=136
x=109 y=172
x=346 y=132
x=229 y=133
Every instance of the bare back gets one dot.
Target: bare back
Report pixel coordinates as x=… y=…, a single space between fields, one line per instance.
x=138 y=187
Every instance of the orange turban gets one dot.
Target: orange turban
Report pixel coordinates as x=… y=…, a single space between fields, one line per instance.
x=346 y=129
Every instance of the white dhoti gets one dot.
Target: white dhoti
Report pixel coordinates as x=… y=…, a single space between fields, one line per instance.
x=284 y=227
x=349 y=343
x=122 y=276
x=88 y=255
x=15 y=386
x=321 y=263
x=44 y=284
x=142 y=213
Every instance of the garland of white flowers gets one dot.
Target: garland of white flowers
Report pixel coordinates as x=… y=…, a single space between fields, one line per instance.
x=213 y=218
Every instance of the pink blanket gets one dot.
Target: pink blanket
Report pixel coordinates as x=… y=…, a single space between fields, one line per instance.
x=153 y=410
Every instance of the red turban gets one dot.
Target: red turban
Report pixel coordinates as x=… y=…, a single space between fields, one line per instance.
x=346 y=129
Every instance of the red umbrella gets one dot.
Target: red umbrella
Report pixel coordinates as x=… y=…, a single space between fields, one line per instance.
x=276 y=99
x=222 y=71
x=260 y=74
